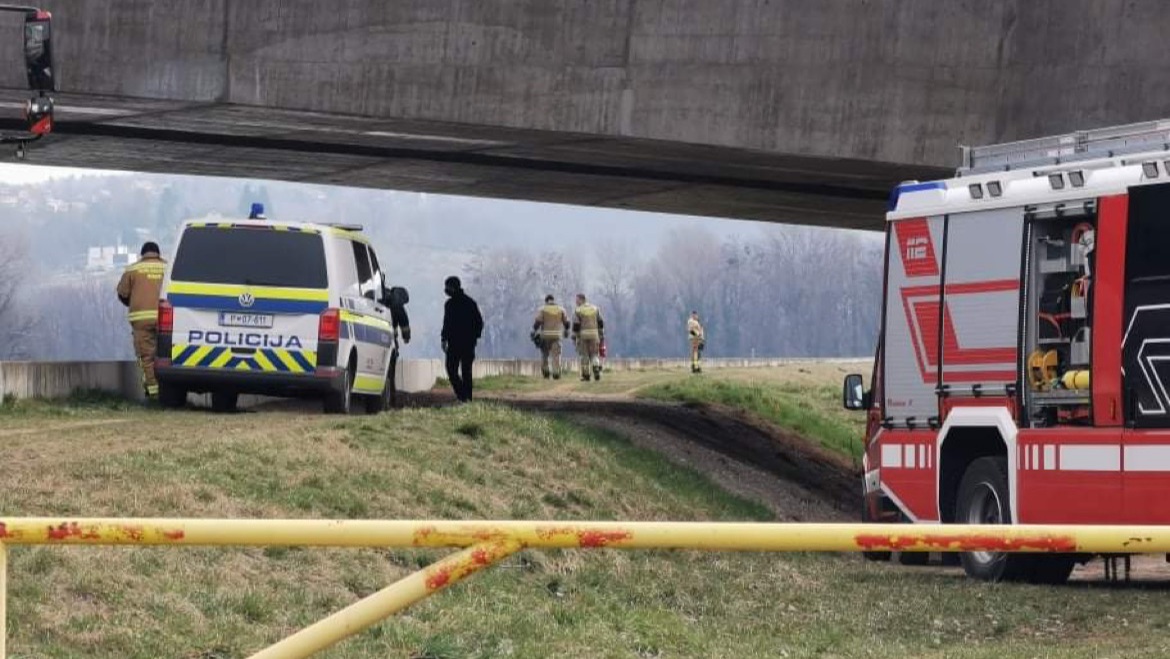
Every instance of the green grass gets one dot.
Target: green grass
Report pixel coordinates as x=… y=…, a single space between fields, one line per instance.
x=498 y=383
x=82 y=402
x=813 y=411
x=476 y=462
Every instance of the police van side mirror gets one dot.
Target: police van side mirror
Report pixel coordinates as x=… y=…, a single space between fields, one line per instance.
x=853 y=393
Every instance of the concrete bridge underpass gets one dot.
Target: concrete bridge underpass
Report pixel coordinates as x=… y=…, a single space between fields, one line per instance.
x=775 y=110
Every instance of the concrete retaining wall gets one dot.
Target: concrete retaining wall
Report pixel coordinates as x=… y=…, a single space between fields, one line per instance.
x=60 y=379
x=57 y=379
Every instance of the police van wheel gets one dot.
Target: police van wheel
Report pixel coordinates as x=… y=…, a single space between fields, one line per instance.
x=385 y=401
x=171 y=397
x=224 y=401
x=338 y=402
x=381 y=402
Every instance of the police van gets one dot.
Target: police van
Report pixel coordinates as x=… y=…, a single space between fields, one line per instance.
x=280 y=309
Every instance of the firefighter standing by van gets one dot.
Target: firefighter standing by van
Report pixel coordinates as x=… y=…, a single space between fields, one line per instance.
x=551 y=323
x=698 y=341
x=588 y=333
x=138 y=289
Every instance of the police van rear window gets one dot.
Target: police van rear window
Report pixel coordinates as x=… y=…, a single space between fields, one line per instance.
x=255 y=257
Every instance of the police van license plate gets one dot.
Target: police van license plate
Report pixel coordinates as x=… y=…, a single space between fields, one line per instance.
x=260 y=320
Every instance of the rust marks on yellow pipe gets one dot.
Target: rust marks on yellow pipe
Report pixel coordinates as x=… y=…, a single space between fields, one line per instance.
x=454 y=568
x=559 y=535
x=965 y=542
x=73 y=532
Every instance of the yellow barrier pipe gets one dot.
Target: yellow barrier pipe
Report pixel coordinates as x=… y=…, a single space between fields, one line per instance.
x=3 y=600
x=388 y=601
x=620 y=535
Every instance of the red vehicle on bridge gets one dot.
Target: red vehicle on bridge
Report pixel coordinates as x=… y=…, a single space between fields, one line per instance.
x=1023 y=364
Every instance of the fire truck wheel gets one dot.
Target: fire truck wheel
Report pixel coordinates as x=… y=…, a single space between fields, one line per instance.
x=983 y=499
x=1050 y=569
x=913 y=558
x=875 y=556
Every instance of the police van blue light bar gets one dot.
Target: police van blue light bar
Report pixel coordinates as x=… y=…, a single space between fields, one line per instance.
x=911 y=187
x=257 y=212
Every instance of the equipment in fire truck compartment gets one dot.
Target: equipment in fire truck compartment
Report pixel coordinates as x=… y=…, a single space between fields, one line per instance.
x=1059 y=324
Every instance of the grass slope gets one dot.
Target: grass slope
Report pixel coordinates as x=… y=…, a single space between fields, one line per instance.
x=476 y=461
x=811 y=410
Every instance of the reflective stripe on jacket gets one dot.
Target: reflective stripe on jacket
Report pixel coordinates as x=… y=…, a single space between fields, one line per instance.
x=140 y=286
x=588 y=322
x=552 y=321
x=694 y=329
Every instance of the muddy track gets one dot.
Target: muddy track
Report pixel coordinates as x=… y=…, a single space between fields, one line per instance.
x=742 y=438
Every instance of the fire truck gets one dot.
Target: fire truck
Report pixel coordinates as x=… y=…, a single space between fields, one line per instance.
x=1022 y=372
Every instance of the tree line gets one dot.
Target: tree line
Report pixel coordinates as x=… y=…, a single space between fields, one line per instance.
x=785 y=291
x=791 y=291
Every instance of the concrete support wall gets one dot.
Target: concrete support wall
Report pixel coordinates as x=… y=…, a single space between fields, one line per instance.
x=60 y=379
x=434 y=369
x=887 y=80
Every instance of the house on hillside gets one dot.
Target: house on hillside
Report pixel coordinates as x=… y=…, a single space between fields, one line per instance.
x=104 y=258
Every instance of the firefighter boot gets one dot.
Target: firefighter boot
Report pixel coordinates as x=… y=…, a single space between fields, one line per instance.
x=596 y=372
x=545 y=373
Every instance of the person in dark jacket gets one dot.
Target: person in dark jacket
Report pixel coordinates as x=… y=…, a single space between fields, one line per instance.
x=462 y=327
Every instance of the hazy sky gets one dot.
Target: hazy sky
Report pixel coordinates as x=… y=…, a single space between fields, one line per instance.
x=15 y=174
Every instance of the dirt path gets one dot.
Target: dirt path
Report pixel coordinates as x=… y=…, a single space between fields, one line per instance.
x=796 y=479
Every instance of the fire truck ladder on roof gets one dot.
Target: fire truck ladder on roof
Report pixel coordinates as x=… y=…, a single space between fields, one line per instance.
x=1145 y=137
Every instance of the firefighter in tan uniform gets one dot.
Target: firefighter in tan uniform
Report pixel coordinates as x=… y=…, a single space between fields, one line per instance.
x=695 y=333
x=139 y=291
x=588 y=332
x=552 y=323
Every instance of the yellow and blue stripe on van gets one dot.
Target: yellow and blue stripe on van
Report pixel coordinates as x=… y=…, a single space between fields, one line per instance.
x=264 y=299
x=367 y=329
x=271 y=360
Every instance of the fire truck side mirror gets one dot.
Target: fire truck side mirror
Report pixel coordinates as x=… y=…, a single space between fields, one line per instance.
x=38 y=53
x=853 y=395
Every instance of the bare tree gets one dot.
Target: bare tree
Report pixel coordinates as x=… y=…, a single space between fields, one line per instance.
x=16 y=322
x=505 y=283
x=617 y=267
x=82 y=320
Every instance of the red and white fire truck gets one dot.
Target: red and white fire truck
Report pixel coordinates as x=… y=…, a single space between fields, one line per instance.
x=1023 y=364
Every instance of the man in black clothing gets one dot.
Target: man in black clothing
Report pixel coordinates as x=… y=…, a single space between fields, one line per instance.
x=462 y=327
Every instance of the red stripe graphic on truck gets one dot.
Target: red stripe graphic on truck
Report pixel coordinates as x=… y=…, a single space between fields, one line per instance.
x=922 y=308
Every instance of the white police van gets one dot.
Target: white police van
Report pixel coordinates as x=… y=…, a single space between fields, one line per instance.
x=281 y=309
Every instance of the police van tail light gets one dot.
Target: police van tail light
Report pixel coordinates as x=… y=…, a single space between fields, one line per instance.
x=329 y=328
x=166 y=317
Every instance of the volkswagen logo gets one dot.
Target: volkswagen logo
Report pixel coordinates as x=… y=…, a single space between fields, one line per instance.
x=246 y=299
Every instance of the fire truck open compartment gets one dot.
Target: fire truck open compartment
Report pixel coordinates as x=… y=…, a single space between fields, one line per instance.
x=1057 y=321
x=1022 y=373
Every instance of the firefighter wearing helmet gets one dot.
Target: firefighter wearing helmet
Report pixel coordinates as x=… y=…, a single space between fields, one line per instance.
x=138 y=290
x=551 y=323
x=698 y=342
x=588 y=333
